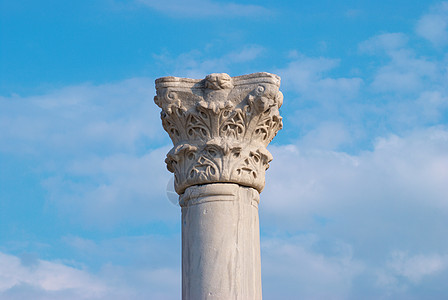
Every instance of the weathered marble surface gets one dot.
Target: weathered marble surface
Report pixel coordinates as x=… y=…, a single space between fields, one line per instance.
x=220 y=127
x=220 y=242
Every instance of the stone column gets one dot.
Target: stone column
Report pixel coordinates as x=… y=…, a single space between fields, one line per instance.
x=220 y=127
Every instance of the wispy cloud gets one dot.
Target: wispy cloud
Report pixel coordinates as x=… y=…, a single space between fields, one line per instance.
x=371 y=220
x=411 y=166
x=46 y=280
x=406 y=72
x=55 y=280
x=354 y=13
x=433 y=26
x=80 y=119
x=107 y=191
x=105 y=142
x=374 y=203
x=310 y=77
x=197 y=64
x=205 y=8
x=384 y=42
x=416 y=267
x=378 y=199
x=293 y=268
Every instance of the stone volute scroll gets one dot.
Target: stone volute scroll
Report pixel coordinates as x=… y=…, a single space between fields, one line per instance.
x=220 y=127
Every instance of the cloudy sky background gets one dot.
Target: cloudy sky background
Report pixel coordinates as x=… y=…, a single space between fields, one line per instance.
x=356 y=201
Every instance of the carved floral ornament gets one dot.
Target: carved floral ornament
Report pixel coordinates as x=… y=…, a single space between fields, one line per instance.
x=220 y=127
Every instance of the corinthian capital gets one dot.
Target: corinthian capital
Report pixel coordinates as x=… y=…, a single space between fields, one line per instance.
x=220 y=127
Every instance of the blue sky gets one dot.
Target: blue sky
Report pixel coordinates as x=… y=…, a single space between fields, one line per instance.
x=355 y=205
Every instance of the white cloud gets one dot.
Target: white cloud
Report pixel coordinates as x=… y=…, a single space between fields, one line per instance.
x=415 y=267
x=55 y=280
x=205 y=9
x=158 y=250
x=368 y=199
x=353 y=13
x=308 y=76
x=292 y=269
x=81 y=119
x=106 y=167
x=367 y=204
x=97 y=149
x=197 y=64
x=405 y=72
x=384 y=42
x=402 y=273
x=110 y=190
x=433 y=105
x=327 y=135
x=321 y=103
x=400 y=90
x=433 y=26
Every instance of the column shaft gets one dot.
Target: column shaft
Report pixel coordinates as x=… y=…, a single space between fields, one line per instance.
x=220 y=242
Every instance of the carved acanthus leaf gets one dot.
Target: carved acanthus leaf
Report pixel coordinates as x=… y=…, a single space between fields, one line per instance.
x=220 y=127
